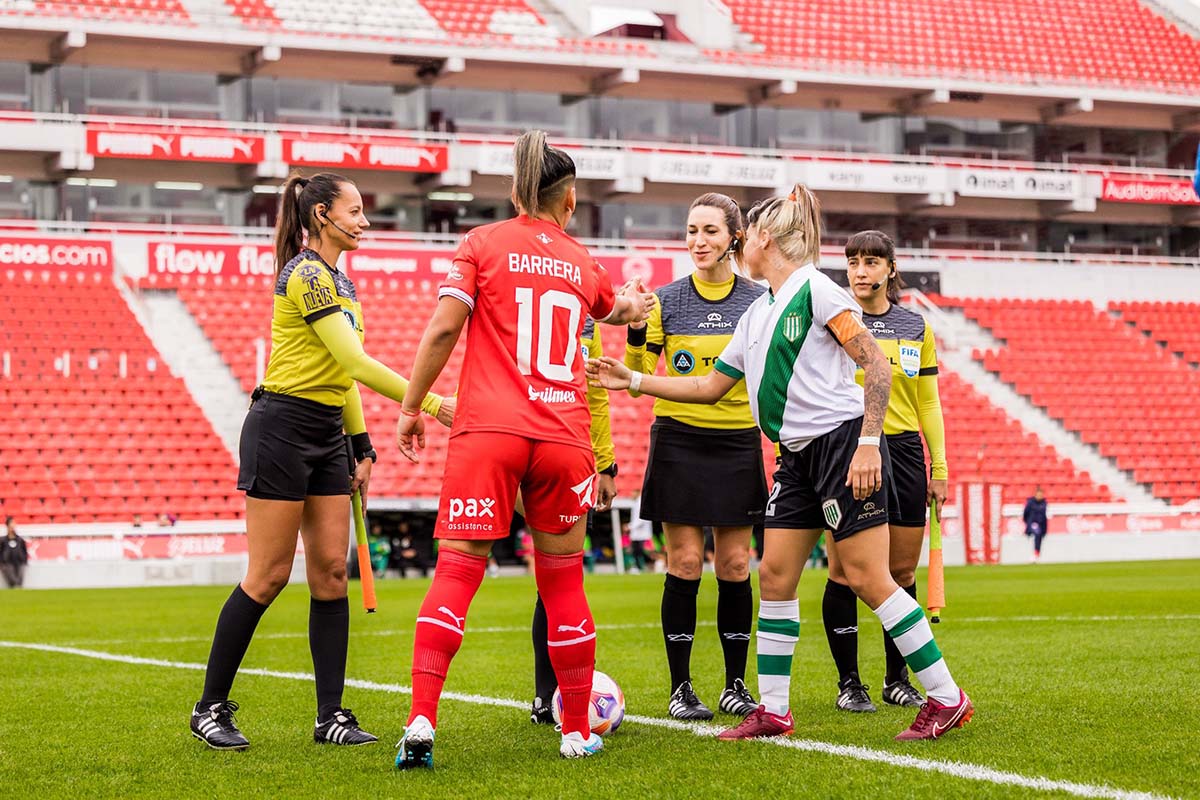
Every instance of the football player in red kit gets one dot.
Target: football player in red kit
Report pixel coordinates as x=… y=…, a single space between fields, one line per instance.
x=522 y=421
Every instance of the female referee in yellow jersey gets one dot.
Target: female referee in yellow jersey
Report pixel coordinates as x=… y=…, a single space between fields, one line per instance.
x=914 y=408
x=295 y=467
x=705 y=466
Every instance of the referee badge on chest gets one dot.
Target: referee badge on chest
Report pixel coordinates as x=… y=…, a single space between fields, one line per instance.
x=910 y=359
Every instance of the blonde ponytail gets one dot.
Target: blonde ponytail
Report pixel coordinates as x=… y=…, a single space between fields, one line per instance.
x=794 y=223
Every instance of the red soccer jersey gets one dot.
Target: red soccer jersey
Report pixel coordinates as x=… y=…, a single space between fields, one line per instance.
x=530 y=287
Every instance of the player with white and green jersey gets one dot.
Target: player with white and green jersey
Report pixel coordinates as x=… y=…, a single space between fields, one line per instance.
x=797 y=347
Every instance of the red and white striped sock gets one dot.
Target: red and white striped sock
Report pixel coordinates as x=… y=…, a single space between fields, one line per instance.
x=440 y=627
x=571 y=634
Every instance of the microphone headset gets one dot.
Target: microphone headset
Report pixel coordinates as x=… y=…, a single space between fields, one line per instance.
x=343 y=230
x=875 y=286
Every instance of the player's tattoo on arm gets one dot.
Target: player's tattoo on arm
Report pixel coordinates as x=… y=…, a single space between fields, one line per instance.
x=877 y=380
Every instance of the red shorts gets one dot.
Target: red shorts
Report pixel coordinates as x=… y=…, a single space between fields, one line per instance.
x=484 y=471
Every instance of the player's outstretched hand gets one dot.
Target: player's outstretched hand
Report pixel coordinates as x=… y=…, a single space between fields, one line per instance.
x=643 y=300
x=410 y=431
x=608 y=373
x=445 y=414
x=866 y=472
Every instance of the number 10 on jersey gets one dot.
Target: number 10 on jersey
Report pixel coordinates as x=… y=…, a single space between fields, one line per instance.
x=544 y=307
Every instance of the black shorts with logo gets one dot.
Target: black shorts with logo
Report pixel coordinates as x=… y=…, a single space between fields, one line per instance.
x=292 y=448
x=810 y=489
x=910 y=481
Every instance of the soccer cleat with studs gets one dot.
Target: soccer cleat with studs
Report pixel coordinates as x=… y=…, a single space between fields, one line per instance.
x=934 y=719
x=902 y=693
x=215 y=726
x=575 y=746
x=737 y=700
x=416 y=748
x=686 y=705
x=540 y=713
x=760 y=724
x=852 y=695
x=341 y=727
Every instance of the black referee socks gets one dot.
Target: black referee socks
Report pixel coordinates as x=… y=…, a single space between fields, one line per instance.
x=235 y=627
x=679 y=626
x=896 y=668
x=735 y=616
x=328 y=639
x=544 y=679
x=839 y=609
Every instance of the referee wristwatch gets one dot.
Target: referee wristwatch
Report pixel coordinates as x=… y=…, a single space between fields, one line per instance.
x=371 y=454
x=610 y=470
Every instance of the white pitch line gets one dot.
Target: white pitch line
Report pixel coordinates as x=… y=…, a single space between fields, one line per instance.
x=950 y=621
x=973 y=772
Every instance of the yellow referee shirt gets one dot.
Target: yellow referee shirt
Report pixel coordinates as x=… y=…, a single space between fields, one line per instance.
x=306 y=290
x=907 y=340
x=691 y=325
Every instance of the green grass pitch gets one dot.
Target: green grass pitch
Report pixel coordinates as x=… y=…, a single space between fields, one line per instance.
x=1084 y=677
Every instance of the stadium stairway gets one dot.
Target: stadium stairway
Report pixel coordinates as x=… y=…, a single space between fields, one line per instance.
x=969 y=337
x=191 y=356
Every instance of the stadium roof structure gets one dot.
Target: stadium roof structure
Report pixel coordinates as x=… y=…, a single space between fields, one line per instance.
x=1012 y=72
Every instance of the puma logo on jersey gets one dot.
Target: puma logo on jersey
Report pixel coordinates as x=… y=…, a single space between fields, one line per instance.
x=577 y=628
x=457 y=619
x=584 y=490
x=543 y=238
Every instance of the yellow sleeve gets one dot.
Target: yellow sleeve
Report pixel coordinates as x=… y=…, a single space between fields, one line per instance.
x=353 y=419
x=929 y=407
x=602 y=444
x=347 y=350
x=642 y=348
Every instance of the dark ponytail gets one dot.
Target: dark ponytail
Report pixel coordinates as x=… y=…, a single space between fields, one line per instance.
x=300 y=195
x=879 y=245
x=541 y=173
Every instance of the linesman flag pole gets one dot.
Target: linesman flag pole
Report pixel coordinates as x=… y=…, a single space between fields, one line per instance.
x=366 y=574
x=936 y=593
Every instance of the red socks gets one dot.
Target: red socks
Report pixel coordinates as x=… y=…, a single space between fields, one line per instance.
x=440 y=626
x=572 y=634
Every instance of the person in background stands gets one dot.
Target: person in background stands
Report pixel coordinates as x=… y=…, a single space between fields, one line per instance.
x=1035 y=521
x=14 y=555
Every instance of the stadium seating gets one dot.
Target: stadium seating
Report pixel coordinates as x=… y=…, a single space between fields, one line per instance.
x=96 y=444
x=152 y=11
x=234 y=311
x=1172 y=325
x=1111 y=385
x=1118 y=42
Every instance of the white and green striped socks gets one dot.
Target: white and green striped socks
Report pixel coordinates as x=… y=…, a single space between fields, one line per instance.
x=905 y=622
x=778 y=632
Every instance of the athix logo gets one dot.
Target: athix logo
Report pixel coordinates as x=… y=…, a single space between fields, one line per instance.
x=457 y=619
x=543 y=238
x=474 y=508
x=715 y=320
x=552 y=396
x=680 y=637
x=583 y=490
x=577 y=628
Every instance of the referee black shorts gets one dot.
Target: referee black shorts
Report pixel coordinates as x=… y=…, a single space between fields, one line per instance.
x=910 y=482
x=810 y=489
x=704 y=476
x=292 y=448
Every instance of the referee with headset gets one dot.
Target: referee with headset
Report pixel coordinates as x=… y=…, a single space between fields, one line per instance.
x=914 y=407
x=295 y=467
